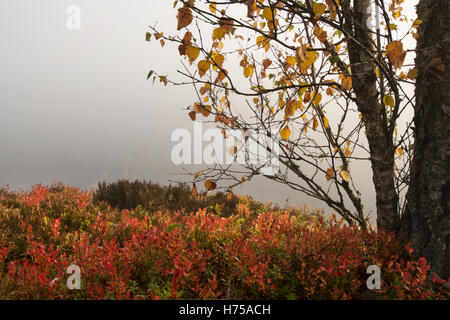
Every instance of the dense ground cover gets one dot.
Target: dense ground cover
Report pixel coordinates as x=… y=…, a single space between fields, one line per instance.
x=257 y=252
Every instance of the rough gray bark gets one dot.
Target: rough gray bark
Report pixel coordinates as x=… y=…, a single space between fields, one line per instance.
x=426 y=221
x=364 y=81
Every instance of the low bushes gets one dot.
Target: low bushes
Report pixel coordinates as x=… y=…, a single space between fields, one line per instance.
x=137 y=254
x=124 y=194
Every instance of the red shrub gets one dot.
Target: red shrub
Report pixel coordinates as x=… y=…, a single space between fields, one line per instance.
x=132 y=254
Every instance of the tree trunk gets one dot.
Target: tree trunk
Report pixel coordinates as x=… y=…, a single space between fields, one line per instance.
x=426 y=222
x=364 y=81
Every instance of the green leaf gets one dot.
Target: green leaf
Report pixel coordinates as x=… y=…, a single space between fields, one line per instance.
x=334 y=59
x=150 y=74
x=389 y=101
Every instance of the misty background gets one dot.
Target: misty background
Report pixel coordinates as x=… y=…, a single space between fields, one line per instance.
x=75 y=105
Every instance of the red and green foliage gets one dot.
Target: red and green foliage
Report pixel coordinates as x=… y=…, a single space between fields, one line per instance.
x=134 y=254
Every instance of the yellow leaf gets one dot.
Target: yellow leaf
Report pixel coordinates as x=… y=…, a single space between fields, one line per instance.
x=346 y=83
x=297 y=105
x=389 y=101
x=197 y=174
x=348 y=152
x=192 y=52
x=248 y=71
x=325 y=122
x=272 y=24
x=416 y=23
x=396 y=54
x=210 y=185
x=413 y=74
x=309 y=61
x=317 y=99
x=212 y=8
x=319 y=9
x=219 y=33
x=203 y=67
x=398 y=152
x=345 y=175
x=262 y=41
x=291 y=61
x=315 y=123
x=285 y=133
x=218 y=59
x=184 y=17
x=268 y=13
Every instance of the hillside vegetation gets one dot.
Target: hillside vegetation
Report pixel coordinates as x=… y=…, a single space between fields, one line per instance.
x=138 y=240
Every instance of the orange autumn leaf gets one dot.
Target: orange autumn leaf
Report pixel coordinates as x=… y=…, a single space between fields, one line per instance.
x=413 y=74
x=218 y=59
x=315 y=123
x=221 y=75
x=203 y=67
x=395 y=53
x=193 y=115
x=317 y=99
x=330 y=174
x=346 y=83
x=218 y=33
x=184 y=17
x=192 y=52
x=266 y=63
x=325 y=122
x=226 y=24
x=319 y=9
x=210 y=185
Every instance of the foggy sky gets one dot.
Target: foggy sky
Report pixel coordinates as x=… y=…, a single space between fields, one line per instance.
x=75 y=106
